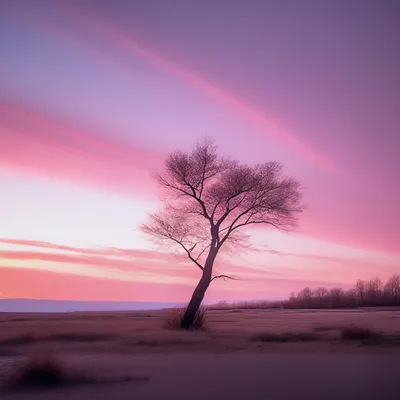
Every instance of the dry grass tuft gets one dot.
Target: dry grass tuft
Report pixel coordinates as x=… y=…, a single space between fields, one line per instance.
x=39 y=372
x=49 y=372
x=175 y=317
x=354 y=332
x=285 y=337
x=77 y=337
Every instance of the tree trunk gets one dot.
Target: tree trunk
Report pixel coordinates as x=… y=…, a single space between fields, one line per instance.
x=199 y=292
x=195 y=301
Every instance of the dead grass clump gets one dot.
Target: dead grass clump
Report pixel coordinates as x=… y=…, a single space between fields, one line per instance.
x=175 y=317
x=354 y=332
x=39 y=372
x=284 y=337
x=48 y=372
x=77 y=337
x=27 y=338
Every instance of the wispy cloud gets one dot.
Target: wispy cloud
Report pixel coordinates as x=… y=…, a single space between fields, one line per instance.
x=37 y=143
x=160 y=272
x=142 y=265
x=98 y=251
x=102 y=34
x=136 y=261
x=320 y=257
x=48 y=245
x=18 y=283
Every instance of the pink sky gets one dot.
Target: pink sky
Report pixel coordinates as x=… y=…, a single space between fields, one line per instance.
x=93 y=95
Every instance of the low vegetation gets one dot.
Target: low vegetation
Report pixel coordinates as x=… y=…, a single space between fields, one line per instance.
x=29 y=338
x=354 y=332
x=213 y=331
x=245 y=305
x=18 y=340
x=50 y=372
x=175 y=318
x=43 y=372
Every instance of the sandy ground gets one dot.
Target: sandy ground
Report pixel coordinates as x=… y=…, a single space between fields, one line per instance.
x=237 y=376
x=223 y=362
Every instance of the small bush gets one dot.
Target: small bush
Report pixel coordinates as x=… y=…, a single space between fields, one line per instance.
x=284 y=337
x=40 y=372
x=354 y=332
x=47 y=372
x=175 y=317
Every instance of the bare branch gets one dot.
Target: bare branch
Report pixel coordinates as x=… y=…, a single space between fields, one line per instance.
x=188 y=253
x=203 y=251
x=191 y=194
x=168 y=227
x=223 y=277
x=214 y=198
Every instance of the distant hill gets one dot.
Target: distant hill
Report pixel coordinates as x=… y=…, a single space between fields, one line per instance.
x=30 y=305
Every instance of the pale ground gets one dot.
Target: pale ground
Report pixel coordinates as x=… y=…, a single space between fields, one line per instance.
x=221 y=363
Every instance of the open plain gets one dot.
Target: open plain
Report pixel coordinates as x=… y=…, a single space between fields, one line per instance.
x=242 y=353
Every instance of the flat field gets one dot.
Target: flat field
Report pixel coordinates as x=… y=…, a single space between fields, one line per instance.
x=254 y=353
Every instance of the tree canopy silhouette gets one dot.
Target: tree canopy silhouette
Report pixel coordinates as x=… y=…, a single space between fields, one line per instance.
x=210 y=198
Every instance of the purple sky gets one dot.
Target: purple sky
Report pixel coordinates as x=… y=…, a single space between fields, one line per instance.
x=93 y=94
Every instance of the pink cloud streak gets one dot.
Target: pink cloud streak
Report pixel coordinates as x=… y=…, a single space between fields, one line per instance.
x=169 y=265
x=165 y=266
x=98 y=251
x=37 y=143
x=63 y=286
x=107 y=33
x=139 y=260
x=17 y=283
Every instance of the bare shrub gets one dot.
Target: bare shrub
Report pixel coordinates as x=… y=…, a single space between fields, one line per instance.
x=175 y=319
x=354 y=332
x=50 y=371
x=38 y=372
x=285 y=337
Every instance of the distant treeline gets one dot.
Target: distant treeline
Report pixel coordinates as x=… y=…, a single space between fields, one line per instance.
x=371 y=293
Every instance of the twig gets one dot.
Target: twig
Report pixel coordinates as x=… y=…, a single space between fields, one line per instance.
x=223 y=277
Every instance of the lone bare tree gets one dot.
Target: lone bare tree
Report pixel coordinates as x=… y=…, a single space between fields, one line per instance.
x=209 y=199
